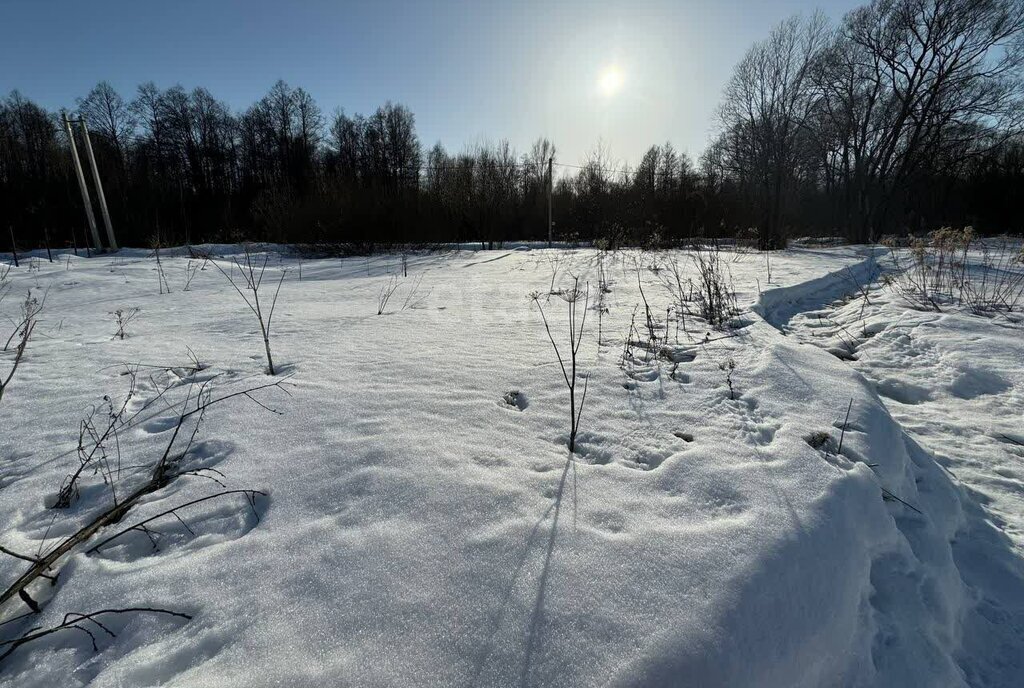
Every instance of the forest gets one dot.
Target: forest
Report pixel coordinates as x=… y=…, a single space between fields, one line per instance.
x=903 y=117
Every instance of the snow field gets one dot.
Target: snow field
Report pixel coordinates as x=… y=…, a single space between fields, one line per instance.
x=419 y=530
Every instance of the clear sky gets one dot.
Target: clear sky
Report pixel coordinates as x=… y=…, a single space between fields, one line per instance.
x=629 y=74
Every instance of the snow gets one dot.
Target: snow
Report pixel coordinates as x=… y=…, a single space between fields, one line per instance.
x=420 y=530
x=953 y=381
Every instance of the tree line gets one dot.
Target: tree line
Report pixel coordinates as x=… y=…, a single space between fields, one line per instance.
x=903 y=117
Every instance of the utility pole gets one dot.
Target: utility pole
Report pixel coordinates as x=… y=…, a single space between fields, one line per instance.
x=551 y=160
x=81 y=184
x=99 y=187
x=14 y=247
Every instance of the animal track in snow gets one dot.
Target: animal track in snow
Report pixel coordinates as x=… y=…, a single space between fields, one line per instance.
x=612 y=522
x=750 y=421
x=902 y=392
x=593 y=454
x=643 y=373
x=646 y=459
x=677 y=354
x=489 y=461
x=971 y=383
x=205 y=454
x=721 y=500
x=514 y=399
x=682 y=378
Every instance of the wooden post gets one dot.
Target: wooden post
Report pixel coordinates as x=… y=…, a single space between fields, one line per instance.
x=99 y=188
x=46 y=238
x=81 y=185
x=551 y=160
x=14 y=248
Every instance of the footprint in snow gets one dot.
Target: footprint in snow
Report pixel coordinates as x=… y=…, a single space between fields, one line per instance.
x=612 y=522
x=903 y=392
x=751 y=422
x=514 y=399
x=643 y=374
x=646 y=460
x=158 y=425
x=971 y=383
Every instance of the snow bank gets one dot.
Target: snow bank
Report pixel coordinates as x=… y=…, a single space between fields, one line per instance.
x=779 y=304
x=953 y=382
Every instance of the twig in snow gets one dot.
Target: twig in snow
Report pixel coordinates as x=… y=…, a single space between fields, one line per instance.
x=161 y=276
x=892 y=496
x=252 y=278
x=72 y=621
x=842 y=433
x=385 y=294
x=415 y=299
x=572 y=297
x=250 y=496
x=23 y=332
x=123 y=317
x=18 y=556
x=163 y=472
x=728 y=366
x=191 y=268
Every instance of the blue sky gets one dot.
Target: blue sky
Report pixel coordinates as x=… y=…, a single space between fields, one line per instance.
x=471 y=71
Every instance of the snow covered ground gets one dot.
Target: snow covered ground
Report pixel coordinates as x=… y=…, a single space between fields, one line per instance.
x=418 y=529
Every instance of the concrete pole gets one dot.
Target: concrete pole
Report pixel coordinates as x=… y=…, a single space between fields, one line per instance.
x=99 y=188
x=14 y=247
x=81 y=185
x=550 y=185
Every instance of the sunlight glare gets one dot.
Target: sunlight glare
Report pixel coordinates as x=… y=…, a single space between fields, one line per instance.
x=611 y=81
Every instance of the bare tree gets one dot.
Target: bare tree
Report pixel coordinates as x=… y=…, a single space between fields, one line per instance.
x=107 y=114
x=765 y=107
x=161 y=276
x=909 y=85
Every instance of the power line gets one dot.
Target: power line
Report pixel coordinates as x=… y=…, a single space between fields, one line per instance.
x=469 y=163
x=615 y=170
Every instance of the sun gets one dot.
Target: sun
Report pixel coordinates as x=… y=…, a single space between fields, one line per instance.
x=610 y=81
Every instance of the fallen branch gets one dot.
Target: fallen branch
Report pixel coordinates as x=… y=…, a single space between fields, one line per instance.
x=17 y=556
x=251 y=498
x=160 y=477
x=71 y=621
